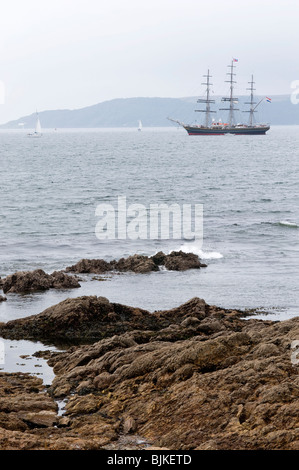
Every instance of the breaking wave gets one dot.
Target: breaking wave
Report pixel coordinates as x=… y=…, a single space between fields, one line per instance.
x=193 y=248
x=286 y=223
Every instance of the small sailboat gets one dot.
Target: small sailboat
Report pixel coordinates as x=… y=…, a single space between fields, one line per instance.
x=38 y=128
x=140 y=126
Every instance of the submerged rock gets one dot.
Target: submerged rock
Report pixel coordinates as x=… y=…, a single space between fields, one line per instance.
x=38 y=280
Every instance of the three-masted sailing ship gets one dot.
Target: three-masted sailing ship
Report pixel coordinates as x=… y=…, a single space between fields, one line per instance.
x=212 y=127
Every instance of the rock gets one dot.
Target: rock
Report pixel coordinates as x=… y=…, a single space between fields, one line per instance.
x=190 y=321
x=137 y=264
x=175 y=261
x=60 y=280
x=38 y=280
x=207 y=392
x=80 y=319
x=96 y=266
x=266 y=350
x=64 y=422
x=180 y=261
x=29 y=420
x=42 y=419
x=24 y=403
x=193 y=377
x=129 y=425
x=90 y=318
x=159 y=258
x=2 y=298
x=102 y=381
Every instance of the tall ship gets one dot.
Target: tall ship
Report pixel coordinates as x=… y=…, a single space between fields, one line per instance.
x=214 y=127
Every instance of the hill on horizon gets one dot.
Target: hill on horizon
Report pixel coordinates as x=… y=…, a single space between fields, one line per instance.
x=153 y=112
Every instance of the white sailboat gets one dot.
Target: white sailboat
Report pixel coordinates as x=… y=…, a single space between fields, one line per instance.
x=38 y=128
x=140 y=126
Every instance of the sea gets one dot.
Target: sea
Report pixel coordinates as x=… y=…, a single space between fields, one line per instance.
x=247 y=186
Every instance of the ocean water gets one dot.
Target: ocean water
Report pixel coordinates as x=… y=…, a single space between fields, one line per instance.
x=248 y=186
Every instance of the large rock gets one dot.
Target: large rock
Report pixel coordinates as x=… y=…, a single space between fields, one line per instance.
x=89 y=318
x=38 y=280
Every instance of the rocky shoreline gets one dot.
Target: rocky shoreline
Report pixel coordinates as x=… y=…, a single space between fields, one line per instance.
x=193 y=377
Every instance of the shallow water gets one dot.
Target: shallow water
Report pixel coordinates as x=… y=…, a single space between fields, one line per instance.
x=17 y=356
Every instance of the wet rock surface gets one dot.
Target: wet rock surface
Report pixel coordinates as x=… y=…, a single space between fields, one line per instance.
x=38 y=280
x=29 y=419
x=194 y=377
x=176 y=261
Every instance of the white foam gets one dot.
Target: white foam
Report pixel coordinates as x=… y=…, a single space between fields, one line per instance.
x=193 y=248
x=286 y=223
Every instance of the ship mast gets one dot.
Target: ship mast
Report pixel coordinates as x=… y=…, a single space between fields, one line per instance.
x=251 y=102
x=207 y=100
x=231 y=98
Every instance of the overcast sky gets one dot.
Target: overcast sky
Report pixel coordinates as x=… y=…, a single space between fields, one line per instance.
x=72 y=53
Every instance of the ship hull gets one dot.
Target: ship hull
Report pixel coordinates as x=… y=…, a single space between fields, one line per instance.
x=228 y=130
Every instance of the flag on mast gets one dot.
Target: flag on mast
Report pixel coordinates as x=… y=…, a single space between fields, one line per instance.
x=235 y=60
x=268 y=99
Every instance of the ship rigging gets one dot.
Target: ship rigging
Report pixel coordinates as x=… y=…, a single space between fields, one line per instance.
x=210 y=127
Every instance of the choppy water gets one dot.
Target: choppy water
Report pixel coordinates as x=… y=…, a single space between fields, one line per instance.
x=248 y=185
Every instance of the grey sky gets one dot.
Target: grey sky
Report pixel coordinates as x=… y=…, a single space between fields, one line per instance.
x=73 y=53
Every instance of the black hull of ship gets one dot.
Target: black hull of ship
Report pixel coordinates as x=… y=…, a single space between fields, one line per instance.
x=230 y=130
